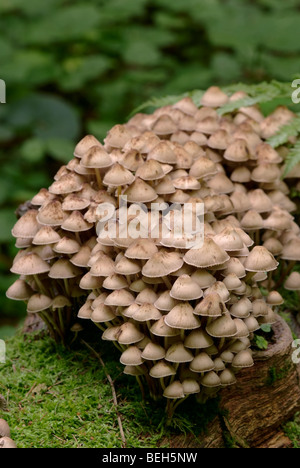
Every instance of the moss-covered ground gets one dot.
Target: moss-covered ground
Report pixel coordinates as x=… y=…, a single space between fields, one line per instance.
x=61 y=398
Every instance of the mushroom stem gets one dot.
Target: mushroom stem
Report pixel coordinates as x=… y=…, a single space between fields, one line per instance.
x=162 y=383
x=167 y=282
x=141 y=387
x=221 y=344
x=77 y=235
x=67 y=287
x=40 y=284
x=99 y=179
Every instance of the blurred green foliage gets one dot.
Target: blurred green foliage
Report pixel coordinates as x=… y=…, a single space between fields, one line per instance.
x=75 y=67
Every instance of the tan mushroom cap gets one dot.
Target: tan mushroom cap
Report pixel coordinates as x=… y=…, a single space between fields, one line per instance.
x=74 y=202
x=153 y=352
x=67 y=246
x=241 y=175
x=232 y=282
x=291 y=251
x=198 y=339
x=163 y=153
x=243 y=359
x=203 y=167
x=96 y=158
x=177 y=353
x=7 y=442
x=242 y=308
x=214 y=97
x=260 y=259
x=160 y=328
x=118 y=176
x=252 y=221
x=164 y=125
x=38 y=303
x=211 y=306
x=132 y=356
x=182 y=317
x=63 y=269
x=293 y=282
x=4 y=429
x=19 y=291
x=126 y=266
x=162 y=264
x=119 y=298
x=162 y=369
x=150 y=170
x=115 y=282
x=211 y=380
x=185 y=289
x=85 y=144
x=202 y=363
x=274 y=298
x=45 y=236
x=140 y=192
x=146 y=296
x=221 y=184
x=208 y=255
x=234 y=266
x=60 y=301
x=227 y=378
x=146 y=312
x=82 y=257
x=51 y=213
x=30 y=264
x=75 y=222
x=68 y=183
x=42 y=197
x=117 y=137
x=190 y=386
x=128 y=334
x=229 y=240
x=103 y=266
x=222 y=327
x=165 y=302
x=141 y=249
x=237 y=151
x=203 y=278
x=27 y=226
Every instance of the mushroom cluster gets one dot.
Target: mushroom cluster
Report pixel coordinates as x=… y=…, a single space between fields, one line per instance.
x=5 y=439
x=180 y=306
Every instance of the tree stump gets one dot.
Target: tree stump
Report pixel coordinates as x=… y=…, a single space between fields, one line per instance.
x=265 y=397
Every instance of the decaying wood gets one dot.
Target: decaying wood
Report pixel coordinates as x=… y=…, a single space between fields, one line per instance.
x=265 y=397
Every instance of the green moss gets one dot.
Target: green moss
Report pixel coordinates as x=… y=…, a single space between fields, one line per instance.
x=61 y=398
x=277 y=374
x=292 y=430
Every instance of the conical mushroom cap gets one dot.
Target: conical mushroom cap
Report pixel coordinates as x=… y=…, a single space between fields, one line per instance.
x=140 y=192
x=19 y=291
x=132 y=356
x=293 y=282
x=165 y=302
x=60 y=301
x=252 y=221
x=214 y=97
x=7 y=442
x=260 y=259
x=30 y=264
x=174 y=391
x=162 y=369
x=147 y=295
x=222 y=327
x=181 y=316
x=27 y=226
x=162 y=264
x=125 y=266
x=243 y=359
x=63 y=269
x=67 y=246
x=203 y=278
x=150 y=170
x=96 y=157
x=153 y=352
x=260 y=201
x=128 y=334
x=291 y=251
x=45 y=236
x=115 y=282
x=118 y=176
x=178 y=353
x=227 y=378
x=211 y=380
x=185 y=289
x=202 y=363
x=38 y=303
x=119 y=298
x=76 y=223
x=146 y=312
x=82 y=257
x=74 y=202
x=117 y=137
x=85 y=144
x=4 y=429
x=104 y=266
x=163 y=153
x=190 y=386
x=160 y=328
x=210 y=254
x=211 y=306
x=229 y=240
x=242 y=308
x=274 y=298
x=141 y=249
x=198 y=339
x=164 y=125
x=51 y=214
x=203 y=167
x=237 y=151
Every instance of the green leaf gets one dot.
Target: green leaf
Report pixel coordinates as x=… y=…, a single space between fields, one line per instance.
x=33 y=150
x=7 y=221
x=45 y=116
x=64 y=24
x=80 y=70
x=30 y=67
x=285 y=132
x=292 y=160
x=261 y=342
x=266 y=328
x=60 y=149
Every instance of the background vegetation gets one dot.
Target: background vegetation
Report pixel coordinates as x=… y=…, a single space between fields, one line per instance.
x=75 y=67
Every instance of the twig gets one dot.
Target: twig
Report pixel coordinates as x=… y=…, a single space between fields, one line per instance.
x=111 y=383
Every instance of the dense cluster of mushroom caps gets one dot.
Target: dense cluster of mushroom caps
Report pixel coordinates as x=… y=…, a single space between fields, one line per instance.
x=182 y=317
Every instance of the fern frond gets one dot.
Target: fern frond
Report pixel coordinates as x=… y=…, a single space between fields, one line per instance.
x=283 y=135
x=292 y=159
x=157 y=102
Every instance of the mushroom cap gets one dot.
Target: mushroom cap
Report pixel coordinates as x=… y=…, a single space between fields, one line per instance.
x=140 y=192
x=119 y=298
x=274 y=298
x=178 y=353
x=160 y=328
x=202 y=363
x=75 y=222
x=146 y=296
x=198 y=339
x=85 y=144
x=102 y=313
x=63 y=269
x=38 y=303
x=182 y=317
x=227 y=378
x=211 y=306
x=190 y=386
x=115 y=282
x=162 y=264
x=4 y=429
x=210 y=254
x=165 y=302
x=260 y=259
x=291 y=251
x=60 y=301
x=7 y=442
x=141 y=249
x=30 y=264
x=46 y=235
x=67 y=246
x=293 y=282
x=96 y=158
x=19 y=291
x=153 y=352
x=243 y=359
x=185 y=289
x=132 y=356
x=174 y=391
x=211 y=380
x=162 y=369
x=222 y=327
x=27 y=226
x=146 y=312
x=128 y=334
x=214 y=97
